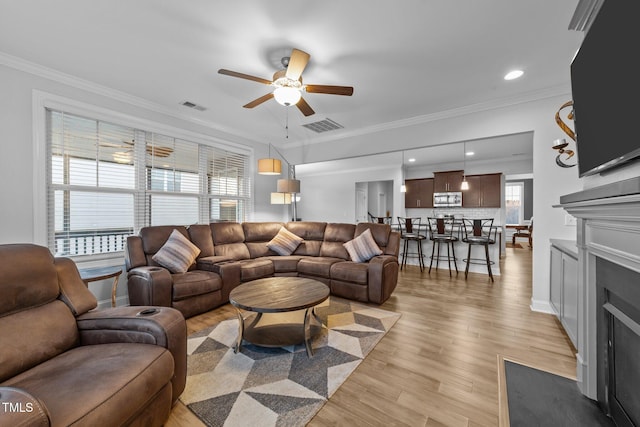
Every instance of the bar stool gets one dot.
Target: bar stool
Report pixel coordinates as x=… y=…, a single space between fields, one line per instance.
x=441 y=230
x=410 y=232
x=479 y=232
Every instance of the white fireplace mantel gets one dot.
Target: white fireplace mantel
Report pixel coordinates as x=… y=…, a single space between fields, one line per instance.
x=608 y=227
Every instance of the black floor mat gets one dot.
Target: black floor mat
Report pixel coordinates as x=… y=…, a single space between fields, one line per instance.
x=538 y=398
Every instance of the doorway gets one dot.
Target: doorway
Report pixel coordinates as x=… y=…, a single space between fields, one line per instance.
x=375 y=198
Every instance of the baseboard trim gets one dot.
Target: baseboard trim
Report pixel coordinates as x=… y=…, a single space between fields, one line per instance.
x=542 y=306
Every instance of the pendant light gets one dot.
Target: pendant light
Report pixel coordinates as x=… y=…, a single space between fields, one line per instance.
x=465 y=185
x=269 y=166
x=403 y=187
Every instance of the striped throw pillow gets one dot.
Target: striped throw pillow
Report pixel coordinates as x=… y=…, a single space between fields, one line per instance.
x=363 y=247
x=285 y=242
x=177 y=254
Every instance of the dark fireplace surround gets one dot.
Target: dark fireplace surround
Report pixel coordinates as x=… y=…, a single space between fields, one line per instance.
x=608 y=341
x=618 y=342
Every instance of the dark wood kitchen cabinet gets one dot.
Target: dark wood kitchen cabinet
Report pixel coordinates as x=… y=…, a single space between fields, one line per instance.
x=447 y=181
x=419 y=193
x=484 y=191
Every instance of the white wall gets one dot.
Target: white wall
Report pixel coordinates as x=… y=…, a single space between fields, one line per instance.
x=333 y=195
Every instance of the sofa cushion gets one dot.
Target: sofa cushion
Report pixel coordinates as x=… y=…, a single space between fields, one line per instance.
x=285 y=263
x=15 y=261
x=348 y=271
x=334 y=236
x=317 y=266
x=177 y=254
x=251 y=269
x=308 y=230
x=285 y=242
x=129 y=375
x=234 y=251
x=363 y=247
x=226 y=232
x=193 y=283
x=260 y=231
x=56 y=334
x=380 y=232
x=200 y=235
x=311 y=232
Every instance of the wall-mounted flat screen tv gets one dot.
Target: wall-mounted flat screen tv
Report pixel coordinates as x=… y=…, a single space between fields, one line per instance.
x=605 y=86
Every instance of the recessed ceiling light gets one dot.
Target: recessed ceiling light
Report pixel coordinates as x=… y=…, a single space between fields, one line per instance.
x=470 y=153
x=412 y=159
x=513 y=74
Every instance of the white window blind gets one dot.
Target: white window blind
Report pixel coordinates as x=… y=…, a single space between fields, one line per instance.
x=106 y=181
x=229 y=185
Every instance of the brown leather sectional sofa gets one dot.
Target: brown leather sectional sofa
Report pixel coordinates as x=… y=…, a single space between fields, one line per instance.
x=233 y=253
x=63 y=362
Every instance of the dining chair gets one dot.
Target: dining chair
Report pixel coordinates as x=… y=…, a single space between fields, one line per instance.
x=524 y=231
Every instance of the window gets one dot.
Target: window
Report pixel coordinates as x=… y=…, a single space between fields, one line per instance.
x=106 y=181
x=514 y=200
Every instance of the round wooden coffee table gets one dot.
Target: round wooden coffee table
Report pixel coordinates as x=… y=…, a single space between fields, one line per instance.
x=278 y=295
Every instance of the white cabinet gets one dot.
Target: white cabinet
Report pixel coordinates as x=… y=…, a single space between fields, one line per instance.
x=564 y=285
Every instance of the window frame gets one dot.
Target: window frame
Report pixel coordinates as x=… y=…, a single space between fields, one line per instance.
x=521 y=209
x=43 y=101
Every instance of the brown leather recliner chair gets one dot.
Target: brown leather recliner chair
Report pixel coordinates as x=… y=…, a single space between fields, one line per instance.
x=193 y=292
x=63 y=362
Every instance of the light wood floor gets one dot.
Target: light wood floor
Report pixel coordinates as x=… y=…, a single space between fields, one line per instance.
x=438 y=364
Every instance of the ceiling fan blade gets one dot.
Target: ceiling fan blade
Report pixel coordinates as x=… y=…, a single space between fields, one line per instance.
x=332 y=90
x=244 y=76
x=259 y=101
x=304 y=107
x=297 y=63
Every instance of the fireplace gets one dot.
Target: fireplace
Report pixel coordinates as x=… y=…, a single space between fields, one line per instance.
x=618 y=342
x=608 y=338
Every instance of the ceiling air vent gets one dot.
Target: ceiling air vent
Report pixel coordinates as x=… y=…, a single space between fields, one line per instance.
x=323 y=125
x=190 y=104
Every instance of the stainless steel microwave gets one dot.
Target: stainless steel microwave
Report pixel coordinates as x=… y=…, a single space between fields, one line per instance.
x=448 y=199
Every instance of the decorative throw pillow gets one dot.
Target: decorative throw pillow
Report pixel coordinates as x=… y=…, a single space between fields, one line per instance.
x=285 y=242
x=177 y=253
x=363 y=247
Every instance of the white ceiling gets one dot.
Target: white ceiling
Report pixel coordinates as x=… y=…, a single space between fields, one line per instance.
x=405 y=59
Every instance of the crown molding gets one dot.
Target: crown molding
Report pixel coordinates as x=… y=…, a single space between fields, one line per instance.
x=447 y=114
x=89 y=86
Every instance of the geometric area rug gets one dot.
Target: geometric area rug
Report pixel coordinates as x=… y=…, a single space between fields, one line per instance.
x=262 y=386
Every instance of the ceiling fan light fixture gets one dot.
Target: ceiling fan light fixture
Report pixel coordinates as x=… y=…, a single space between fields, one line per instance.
x=287 y=95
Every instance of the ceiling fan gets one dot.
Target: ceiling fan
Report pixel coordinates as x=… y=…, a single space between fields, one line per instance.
x=288 y=84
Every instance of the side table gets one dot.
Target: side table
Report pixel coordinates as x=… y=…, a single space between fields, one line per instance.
x=94 y=274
